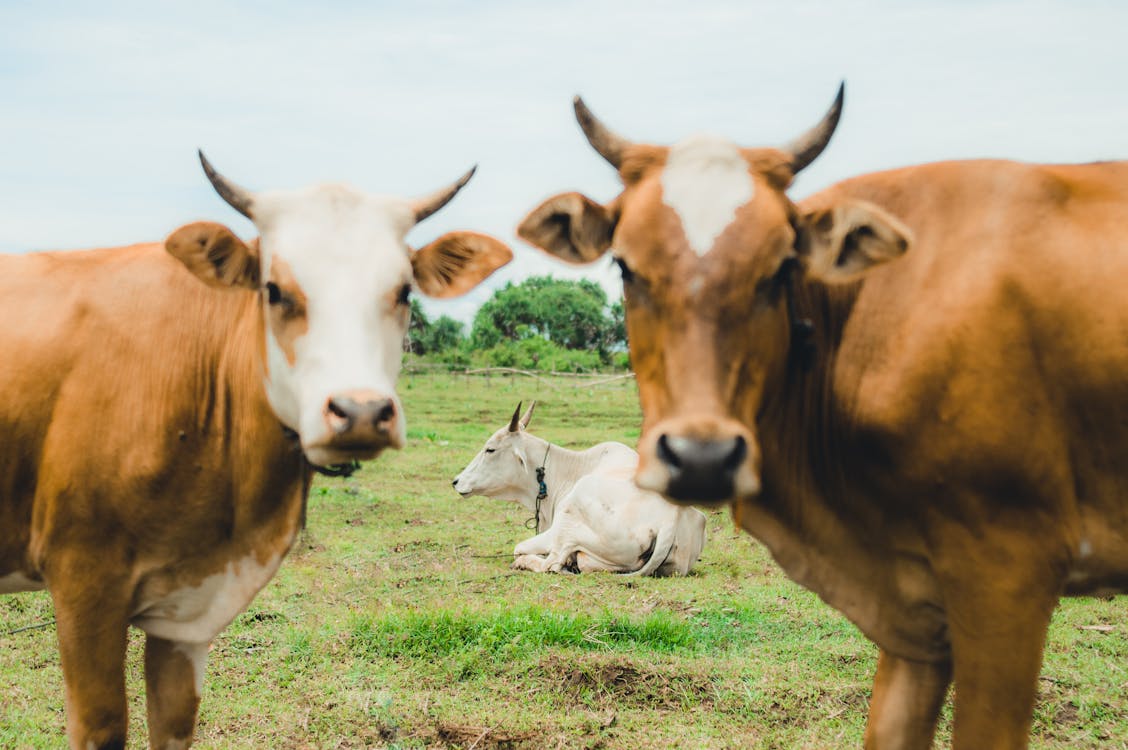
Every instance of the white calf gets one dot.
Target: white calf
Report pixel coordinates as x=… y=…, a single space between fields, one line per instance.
x=595 y=516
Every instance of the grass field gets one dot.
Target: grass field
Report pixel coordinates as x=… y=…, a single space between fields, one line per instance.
x=396 y=622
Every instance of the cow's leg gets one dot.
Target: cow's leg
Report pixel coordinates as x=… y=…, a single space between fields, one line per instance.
x=906 y=703
x=535 y=563
x=174 y=677
x=541 y=544
x=91 y=616
x=998 y=597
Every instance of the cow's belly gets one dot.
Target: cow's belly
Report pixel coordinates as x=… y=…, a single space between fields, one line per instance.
x=10 y=583
x=197 y=613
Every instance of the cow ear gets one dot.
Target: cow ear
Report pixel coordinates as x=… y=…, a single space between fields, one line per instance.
x=456 y=262
x=215 y=255
x=528 y=415
x=842 y=242
x=571 y=227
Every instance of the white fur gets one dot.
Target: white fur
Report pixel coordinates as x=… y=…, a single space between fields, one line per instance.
x=594 y=516
x=197 y=656
x=347 y=253
x=705 y=181
x=14 y=582
x=196 y=614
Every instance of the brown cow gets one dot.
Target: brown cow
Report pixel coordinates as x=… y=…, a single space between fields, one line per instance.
x=935 y=444
x=158 y=432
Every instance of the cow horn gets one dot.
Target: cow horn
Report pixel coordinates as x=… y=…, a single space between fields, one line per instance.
x=610 y=146
x=806 y=148
x=429 y=204
x=236 y=197
x=528 y=415
x=515 y=422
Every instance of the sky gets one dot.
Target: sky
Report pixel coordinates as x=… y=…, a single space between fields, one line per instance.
x=103 y=104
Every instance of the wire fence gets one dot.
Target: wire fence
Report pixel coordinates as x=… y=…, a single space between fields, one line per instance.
x=550 y=378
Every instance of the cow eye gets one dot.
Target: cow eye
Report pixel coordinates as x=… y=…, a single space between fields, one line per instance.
x=624 y=270
x=404 y=294
x=490 y=450
x=273 y=293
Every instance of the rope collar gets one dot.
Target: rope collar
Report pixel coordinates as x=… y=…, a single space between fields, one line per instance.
x=542 y=493
x=333 y=470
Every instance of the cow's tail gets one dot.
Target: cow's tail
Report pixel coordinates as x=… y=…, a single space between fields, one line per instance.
x=663 y=546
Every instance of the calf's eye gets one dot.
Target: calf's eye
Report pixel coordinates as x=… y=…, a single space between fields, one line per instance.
x=490 y=450
x=404 y=294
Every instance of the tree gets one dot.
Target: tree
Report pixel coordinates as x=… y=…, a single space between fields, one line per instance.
x=426 y=337
x=571 y=314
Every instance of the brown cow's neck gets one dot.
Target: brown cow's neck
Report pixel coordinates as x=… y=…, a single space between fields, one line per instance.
x=812 y=513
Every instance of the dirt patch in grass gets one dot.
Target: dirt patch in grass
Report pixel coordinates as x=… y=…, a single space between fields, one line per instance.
x=619 y=680
x=487 y=738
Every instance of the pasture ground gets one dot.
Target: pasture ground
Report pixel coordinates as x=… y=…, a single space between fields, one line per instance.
x=396 y=622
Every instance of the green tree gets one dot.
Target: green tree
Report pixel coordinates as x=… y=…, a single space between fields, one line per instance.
x=418 y=330
x=427 y=337
x=445 y=333
x=571 y=314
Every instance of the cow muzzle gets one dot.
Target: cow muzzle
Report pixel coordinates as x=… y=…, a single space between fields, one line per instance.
x=357 y=425
x=699 y=464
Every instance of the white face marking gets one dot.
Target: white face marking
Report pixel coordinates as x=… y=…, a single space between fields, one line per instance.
x=13 y=582
x=1084 y=549
x=196 y=614
x=346 y=252
x=197 y=656
x=705 y=181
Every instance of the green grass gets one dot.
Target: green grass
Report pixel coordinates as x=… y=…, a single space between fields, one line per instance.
x=396 y=622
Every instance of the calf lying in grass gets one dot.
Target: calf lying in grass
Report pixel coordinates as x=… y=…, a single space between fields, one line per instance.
x=594 y=515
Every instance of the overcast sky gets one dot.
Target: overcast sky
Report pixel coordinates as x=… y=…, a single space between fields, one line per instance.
x=104 y=103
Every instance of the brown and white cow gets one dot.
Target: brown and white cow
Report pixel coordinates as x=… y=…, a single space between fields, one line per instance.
x=159 y=432
x=936 y=443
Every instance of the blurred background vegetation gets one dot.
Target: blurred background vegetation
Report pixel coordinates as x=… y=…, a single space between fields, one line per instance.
x=542 y=323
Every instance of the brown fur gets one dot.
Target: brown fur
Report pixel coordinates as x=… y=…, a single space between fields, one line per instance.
x=961 y=437
x=140 y=454
x=288 y=320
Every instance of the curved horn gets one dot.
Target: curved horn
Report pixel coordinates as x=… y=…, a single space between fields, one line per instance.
x=236 y=197
x=610 y=146
x=429 y=204
x=806 y=148
x=515 y=422
x=528 y=415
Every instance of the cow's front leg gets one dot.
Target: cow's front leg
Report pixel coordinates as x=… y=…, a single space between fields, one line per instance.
x=906 y=703
x=174 y=678
x=541 y=544
x=998 y=601
x=535 y=563
x=91 y=615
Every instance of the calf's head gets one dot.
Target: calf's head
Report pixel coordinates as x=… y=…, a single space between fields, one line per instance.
x=706 y=237
x=334 y=275
x=504 y=468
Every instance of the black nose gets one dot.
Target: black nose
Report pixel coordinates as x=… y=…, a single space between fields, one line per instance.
x=701 y=470
x=454 y=482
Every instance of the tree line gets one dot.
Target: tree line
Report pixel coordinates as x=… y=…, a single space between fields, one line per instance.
x=541 y=323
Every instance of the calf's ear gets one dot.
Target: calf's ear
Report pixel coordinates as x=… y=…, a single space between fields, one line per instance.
x=456 y=262
x=571 y=227
x=215 y=255
x=842 y=242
